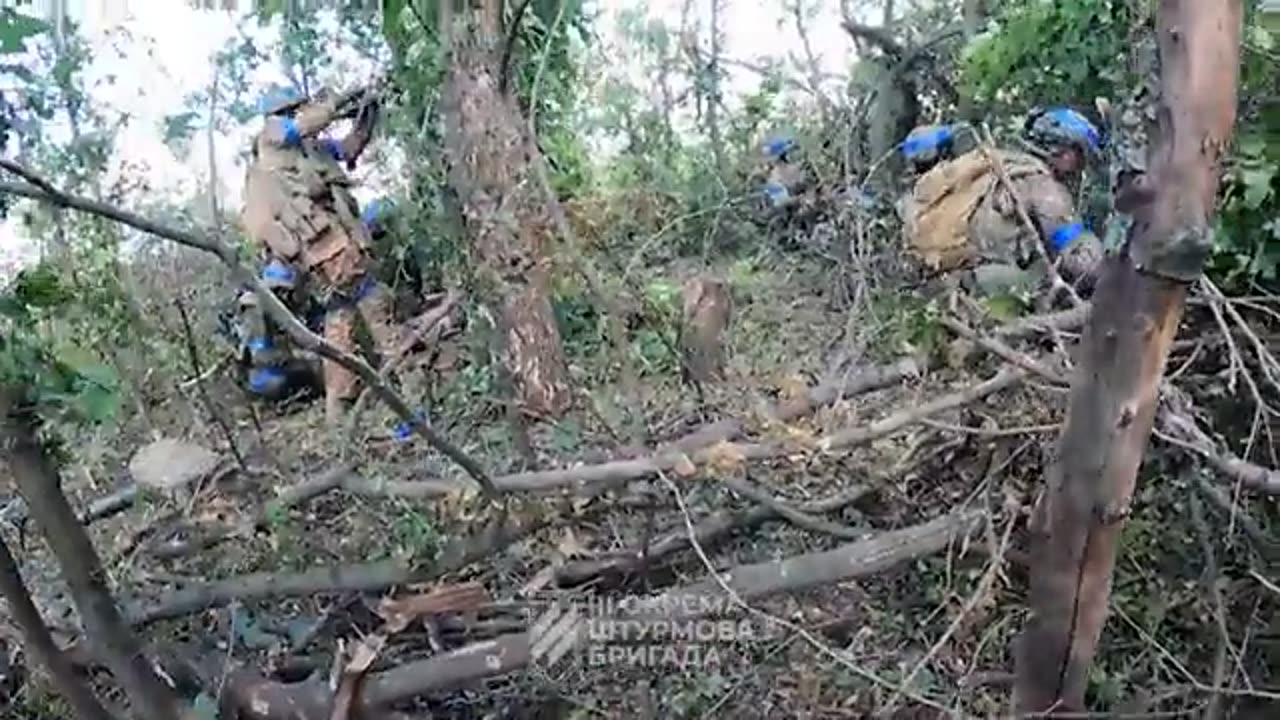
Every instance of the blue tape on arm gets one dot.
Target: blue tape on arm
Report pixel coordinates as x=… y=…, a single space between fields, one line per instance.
x=292 y=136
x=259 y=343
x=276 y=271
x=1065 y=235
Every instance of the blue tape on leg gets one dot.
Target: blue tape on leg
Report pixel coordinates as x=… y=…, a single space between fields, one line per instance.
x=404 y=430
x=261 y=379
x=1065 y=235
x=365 y=289
x=334 y=147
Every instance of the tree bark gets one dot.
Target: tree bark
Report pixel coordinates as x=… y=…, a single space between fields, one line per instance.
x=707 y=311
x=508 y=218
x=1136 y=310
x=38 y=643
x=40 y=485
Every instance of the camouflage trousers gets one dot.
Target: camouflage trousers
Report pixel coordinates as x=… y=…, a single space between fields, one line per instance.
x=370 y=302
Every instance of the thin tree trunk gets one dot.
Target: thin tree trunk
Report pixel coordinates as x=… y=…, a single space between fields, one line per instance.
x=713 y=92
x=38 y=643
x=1136 y=310
x=40 y=485
x=506 y=214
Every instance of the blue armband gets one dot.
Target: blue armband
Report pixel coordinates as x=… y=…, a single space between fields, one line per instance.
x=292 y=136
x=279 y=272
x=775 y=192
x=334 y=147
x=1065 y=235
x=259 y=343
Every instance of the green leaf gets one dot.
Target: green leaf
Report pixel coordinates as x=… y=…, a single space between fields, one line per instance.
x=179 y=127
x=16 y=28
x=1257 y=185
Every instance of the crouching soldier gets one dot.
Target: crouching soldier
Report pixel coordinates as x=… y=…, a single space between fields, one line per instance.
x=298 y=206
x=272 y=366
x=961 y=217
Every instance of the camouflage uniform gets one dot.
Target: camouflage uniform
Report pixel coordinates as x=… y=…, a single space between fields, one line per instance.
x=297 y=204
x=959 y=215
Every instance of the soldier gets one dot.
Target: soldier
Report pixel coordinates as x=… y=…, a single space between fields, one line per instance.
x=960 y=216
x=297 y=204
x=273 y=369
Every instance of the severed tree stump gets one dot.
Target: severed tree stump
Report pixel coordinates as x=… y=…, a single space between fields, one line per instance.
x=703 y=327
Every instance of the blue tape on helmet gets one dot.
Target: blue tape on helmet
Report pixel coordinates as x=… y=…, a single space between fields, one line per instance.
x=1077 y=124
x=278 y=272
x=923 y=140
x=261 y=379
x=259 y=343
x=404 y=429
x=1065 y=235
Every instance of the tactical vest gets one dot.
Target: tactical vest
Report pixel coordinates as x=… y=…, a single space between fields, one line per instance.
x=957 y=214
x=294 y=197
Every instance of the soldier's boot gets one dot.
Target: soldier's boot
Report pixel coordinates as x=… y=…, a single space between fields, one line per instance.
x=339 y=382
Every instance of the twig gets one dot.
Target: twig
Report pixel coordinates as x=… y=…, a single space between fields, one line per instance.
x=1005 y=352
x=994 y=432
x=791 y=514
x=979 y=594
x=504 y=65
x=1214 y=708
x=40 y=189
x=193 y=354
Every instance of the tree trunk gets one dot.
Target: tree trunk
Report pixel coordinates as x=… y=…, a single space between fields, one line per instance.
x=707 y=310
x=506 y=214
x=713 y=92
x=1136 y=311
x=40 y=485
x=38 y=643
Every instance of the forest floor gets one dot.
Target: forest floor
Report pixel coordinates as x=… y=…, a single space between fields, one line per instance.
x=923 y=630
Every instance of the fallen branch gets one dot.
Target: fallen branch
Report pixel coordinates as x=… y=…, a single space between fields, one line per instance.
x=708 y=531
x=1006 y=378
x=835 y=390
x=40 y=189
x=1072 y=319
x=376 y=575
x=1178 y=428
x=803 y=572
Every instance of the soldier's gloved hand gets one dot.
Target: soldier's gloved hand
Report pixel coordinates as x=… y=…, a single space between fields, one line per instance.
x=1082 y=261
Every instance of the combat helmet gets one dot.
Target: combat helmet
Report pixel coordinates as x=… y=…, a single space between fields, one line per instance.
x=1062 y=127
